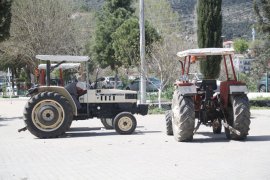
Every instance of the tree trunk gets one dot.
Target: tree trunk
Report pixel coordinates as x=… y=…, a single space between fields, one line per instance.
x=159 y=97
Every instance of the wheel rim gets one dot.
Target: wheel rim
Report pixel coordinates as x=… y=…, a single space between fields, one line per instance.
x=48 y=115
x=125 y=123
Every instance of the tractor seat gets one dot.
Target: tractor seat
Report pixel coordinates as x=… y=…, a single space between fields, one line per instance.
x=210 y=84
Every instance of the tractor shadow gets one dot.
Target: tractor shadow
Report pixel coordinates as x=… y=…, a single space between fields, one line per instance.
x=6 y=119
x=210 y=137
x=219 y=138
x=75 y=132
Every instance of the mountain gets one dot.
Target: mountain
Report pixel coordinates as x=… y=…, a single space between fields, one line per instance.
x=238 y=16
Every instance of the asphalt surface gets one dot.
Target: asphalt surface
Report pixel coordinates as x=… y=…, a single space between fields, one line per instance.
x=89 y=151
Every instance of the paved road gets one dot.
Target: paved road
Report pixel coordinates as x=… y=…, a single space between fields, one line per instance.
x=90 y=152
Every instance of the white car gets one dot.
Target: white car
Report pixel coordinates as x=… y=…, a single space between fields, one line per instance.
x=9 y=88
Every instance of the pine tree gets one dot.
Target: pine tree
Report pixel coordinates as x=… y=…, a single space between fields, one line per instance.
x=209 y=34
x=114 y=13
x=5 y=19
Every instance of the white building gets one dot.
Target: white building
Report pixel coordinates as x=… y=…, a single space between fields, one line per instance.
x=242 y=63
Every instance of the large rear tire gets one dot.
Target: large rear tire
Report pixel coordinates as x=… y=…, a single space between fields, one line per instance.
x=238 y=116
x=168 y=118
x=183 y=119
x=48 y=115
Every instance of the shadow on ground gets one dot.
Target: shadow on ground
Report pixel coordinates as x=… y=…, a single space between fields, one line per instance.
x=10 y=118
x=215 y=138
x=5 y=119
x=99 y=131
x=210 y=138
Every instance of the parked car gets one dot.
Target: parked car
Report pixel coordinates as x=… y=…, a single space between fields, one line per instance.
x=262 y=84
x=2 y=82
x=9 y=88
x=152 y=84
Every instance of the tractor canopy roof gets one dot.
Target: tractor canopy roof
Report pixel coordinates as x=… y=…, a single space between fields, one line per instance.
x=60 y=58
x=62 y=66
x=206 y=52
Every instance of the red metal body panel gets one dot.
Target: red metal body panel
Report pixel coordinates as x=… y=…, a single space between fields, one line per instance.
x=197 y=102
x=224 y=91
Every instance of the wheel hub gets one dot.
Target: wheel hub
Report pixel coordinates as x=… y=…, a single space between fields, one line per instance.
x=125 y=123
x=48 y=114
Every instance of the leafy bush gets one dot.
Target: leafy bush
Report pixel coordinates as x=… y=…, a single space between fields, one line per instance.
x=240 y=45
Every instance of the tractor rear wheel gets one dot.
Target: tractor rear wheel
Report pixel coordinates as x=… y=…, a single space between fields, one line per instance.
x=107 y=123
x=238 y=116
x=48 y=115
x=168 y=118
x=183 y=119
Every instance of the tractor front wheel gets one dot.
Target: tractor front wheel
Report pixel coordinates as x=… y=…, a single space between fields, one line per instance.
x=238 y=116
x=217 y=127
x=168 y=118
x=125 y=123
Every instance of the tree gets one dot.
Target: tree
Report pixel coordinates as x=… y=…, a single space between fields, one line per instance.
x=209 y=34
x=240 y=45
x=125 y=41
x=162 y=61
x=113 y=15
x=262 y=49
x=41 y=27
x=5 y=19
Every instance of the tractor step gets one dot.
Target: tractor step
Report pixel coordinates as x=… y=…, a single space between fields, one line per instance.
x=235 y=131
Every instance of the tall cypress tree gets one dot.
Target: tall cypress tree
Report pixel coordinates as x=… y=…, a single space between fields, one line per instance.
x=209 y=34
x=5 y=19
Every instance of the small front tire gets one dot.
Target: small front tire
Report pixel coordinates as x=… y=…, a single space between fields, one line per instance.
x=168 y=118
x=125 y=123
x=107 y=123
x=217 y=127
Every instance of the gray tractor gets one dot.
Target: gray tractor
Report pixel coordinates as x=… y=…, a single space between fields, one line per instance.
x=50 y=110
x=228 y=106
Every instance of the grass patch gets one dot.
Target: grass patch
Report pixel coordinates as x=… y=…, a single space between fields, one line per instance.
x=14 y=96
x=259 y=108
x=156 y=110
x=261 y=98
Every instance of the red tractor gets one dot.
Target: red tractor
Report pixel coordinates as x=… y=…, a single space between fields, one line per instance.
x=202 y=101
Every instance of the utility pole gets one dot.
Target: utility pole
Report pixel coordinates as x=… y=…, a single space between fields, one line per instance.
x=142 y=54
x=253 y=34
